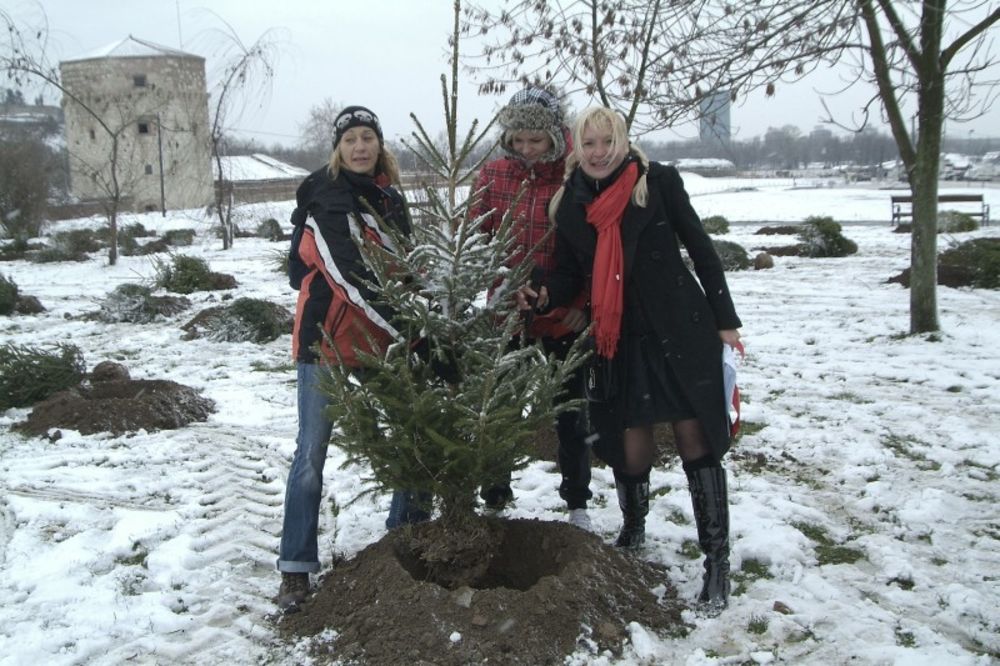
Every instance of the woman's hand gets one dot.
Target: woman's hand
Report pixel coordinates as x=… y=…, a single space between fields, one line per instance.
x=574 y=320
x=528 y=299
x=731 y=337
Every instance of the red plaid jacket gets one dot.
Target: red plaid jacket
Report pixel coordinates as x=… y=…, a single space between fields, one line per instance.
x=498 y=183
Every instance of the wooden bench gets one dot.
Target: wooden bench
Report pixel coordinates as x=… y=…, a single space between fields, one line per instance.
x=902 y=206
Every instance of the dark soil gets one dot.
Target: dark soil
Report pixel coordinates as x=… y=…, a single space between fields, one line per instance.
x=119 y=406
x=547 y=590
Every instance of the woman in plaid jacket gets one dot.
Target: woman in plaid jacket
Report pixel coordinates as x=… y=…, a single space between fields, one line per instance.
x=535 y=142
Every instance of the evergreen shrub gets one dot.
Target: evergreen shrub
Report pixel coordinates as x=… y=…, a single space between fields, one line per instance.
x=8 y=295
x=31 y=374
x=716 y=224
x=270 y=229
x=734 y=257
x=822 y=237
x=183 y=274
x=136 y=304
x=954 y=222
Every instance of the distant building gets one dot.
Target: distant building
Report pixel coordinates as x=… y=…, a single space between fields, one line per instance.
x=257 y=177
x=714 y=126
x=154 y=98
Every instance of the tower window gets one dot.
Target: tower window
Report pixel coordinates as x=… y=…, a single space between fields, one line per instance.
x=139 y=80
x=143 y=128
x=149 y=169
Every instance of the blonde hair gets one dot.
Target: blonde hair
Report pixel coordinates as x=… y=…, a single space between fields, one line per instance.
x=387 y=164
x=603 y=119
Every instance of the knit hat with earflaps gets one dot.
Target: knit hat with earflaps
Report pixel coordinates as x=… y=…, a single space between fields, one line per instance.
x=534 y=109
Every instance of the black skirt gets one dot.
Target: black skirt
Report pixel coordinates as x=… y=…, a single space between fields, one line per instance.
x=650 y=391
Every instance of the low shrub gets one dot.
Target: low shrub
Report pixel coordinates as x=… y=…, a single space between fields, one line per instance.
x=783 y=230
x=51 y=255
x=716 y=224
x=8 y=295
x=734 y=257
x=822 y=237
x=270 y=229
x=77 y=241
x=955 y=222
x=183 y=274
x=31 y=374
x=244 y=320
x=179 y=237
x=136 y=304
x=278 y=260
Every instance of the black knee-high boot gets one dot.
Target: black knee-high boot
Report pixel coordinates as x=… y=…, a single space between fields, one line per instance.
x=633 y=499
x=710 y=499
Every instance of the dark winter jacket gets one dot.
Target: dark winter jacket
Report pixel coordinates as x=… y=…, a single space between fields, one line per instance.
x=685 y=315
x=327 y=267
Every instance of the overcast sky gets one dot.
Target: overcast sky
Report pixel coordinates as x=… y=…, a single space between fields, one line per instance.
x=385 y=54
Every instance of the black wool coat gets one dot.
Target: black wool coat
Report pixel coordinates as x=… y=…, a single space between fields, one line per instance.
x=685 y=313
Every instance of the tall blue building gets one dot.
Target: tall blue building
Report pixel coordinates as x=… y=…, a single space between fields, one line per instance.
x=714 y=125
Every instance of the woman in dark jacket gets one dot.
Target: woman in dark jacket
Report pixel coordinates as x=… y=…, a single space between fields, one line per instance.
x=658 y=331
x=339 y=206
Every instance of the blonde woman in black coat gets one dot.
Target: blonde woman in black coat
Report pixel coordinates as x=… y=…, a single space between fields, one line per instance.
x=658 y=332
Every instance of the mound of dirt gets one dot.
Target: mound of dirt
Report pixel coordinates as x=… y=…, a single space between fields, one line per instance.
x=119 y=406
x=549 y=589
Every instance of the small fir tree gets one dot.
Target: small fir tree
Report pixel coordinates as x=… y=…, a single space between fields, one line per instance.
x=461 y=406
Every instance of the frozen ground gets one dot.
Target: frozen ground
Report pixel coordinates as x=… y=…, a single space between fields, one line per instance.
x=864 y=491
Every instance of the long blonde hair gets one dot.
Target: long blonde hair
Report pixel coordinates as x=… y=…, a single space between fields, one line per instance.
x=603 y=119
x=387 y=164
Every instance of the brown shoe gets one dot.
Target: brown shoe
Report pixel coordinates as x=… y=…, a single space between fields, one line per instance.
x=293 y=591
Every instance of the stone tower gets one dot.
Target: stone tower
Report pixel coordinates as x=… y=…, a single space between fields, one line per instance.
x=154 y=99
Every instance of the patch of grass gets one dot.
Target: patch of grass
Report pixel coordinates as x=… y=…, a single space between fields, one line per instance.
x=904 y=583
x=757 y=625
x=690 y=549
x=848 y=396
x=750 y=428
x=750 y=571
x=904 y=448
x=939 y=561
x=138 y=557
x=988 y=473
x=261 y=366
x=827 y=551
x=905 y=638
x=677 y=517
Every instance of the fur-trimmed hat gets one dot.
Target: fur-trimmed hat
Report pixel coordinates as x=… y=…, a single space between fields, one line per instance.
x=355 y=116
x=535 y=109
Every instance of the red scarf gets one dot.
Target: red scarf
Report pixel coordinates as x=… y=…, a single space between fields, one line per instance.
x=607 y=287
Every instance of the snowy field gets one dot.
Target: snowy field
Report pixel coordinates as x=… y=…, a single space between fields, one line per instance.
x=865 y=526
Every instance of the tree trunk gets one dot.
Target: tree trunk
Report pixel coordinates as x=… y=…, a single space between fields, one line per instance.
x=924 y=187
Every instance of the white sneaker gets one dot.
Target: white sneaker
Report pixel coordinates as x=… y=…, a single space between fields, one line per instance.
x=580 y=518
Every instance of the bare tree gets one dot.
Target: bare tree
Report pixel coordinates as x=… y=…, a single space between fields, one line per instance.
x=317 y=131
x=246 y=74
x=655 y=61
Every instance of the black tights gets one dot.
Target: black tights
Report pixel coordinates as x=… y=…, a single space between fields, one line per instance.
x=640 y=449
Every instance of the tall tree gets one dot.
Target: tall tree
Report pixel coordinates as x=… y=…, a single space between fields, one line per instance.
x=246 y=73
x=655 y=61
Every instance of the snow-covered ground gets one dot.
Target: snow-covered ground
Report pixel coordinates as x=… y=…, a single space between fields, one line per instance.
x=864 y=491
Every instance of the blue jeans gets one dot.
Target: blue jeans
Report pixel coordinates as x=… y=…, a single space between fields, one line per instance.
x=408 y=507
x=304 y=488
